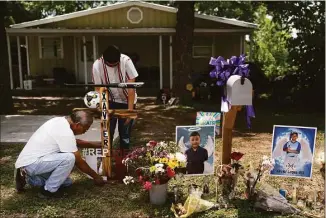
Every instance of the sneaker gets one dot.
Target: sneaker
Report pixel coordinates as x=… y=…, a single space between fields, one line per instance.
x=20 y=179
x=44 y=194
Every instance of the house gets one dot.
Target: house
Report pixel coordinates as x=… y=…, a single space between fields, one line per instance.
x=71 y=42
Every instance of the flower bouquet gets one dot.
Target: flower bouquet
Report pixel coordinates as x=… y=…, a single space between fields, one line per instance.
x=252 y=176
x=228 y=177
x=266 y=197
x=152 y=167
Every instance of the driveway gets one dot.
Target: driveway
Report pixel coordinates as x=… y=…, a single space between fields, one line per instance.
x=19 y=128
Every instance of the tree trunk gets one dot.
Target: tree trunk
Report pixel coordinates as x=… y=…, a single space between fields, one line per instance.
x=183 y=49
x=5 y=91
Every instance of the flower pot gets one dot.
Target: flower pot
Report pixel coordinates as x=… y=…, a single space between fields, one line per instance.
x=158 y=194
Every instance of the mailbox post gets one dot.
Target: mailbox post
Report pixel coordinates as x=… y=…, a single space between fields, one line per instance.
x=239 y=93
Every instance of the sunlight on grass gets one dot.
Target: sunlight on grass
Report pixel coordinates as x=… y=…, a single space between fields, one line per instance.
x=155 y=122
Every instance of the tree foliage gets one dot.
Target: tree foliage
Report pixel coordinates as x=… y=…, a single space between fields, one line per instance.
x=269 y=46
x=242 y=10
x=22 y=11
x=307 y=50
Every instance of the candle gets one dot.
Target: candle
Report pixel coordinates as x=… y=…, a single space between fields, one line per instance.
x=294 y=193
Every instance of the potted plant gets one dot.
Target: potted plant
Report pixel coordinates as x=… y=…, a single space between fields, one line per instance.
x=152 y=167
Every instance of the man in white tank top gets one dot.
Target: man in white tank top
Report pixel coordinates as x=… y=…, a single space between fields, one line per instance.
x=114 y=67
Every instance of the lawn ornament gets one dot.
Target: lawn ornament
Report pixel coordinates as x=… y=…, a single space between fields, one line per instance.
x=92 y=99
x=164 y=98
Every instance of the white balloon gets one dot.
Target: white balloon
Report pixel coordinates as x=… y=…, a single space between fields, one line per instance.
x=92 y=99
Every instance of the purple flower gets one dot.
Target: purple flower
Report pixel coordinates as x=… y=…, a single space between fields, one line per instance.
x=220 y=83
x=234 y=60
x=213 y=74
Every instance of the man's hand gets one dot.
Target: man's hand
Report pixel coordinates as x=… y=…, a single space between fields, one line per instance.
x=98 y=180
x=83 y=166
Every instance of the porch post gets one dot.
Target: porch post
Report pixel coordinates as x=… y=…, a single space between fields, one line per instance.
x=250 y=47
x=241 y=46
x=94 y=49
x=213 y=47
x=160 y=62
x=75 y=58
x=10 y=63
x=20 y=63
x=85 y=60
x=171 y=64
x=243 y=43
x=27 y=56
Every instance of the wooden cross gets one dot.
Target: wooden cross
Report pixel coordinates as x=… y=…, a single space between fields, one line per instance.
x=105 y=114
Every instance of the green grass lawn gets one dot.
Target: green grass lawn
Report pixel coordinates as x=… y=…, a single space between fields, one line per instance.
x=84 y=199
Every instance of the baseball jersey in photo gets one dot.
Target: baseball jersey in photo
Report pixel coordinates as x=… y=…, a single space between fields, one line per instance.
x=293 y=146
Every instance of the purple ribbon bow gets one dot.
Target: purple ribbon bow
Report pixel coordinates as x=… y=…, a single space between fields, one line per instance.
x=226 y=68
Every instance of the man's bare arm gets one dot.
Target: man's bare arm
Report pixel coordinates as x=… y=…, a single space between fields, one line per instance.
x=83 y=166
x=86 y=144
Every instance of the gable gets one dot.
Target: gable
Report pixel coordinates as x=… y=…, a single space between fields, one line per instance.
x=115 y=16
x=118 y=19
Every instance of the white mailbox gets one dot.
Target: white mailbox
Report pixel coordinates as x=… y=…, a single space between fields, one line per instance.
x=237 y=93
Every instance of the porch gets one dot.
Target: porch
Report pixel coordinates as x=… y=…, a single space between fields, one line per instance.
x=50 y=60
x=63 y=48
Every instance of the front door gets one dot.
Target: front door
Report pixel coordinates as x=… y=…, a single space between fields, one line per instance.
x=89 y=56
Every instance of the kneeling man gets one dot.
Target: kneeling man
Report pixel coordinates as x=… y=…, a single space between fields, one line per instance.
x=51 y=153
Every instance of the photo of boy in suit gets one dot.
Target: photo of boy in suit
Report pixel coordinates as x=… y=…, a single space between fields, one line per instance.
x=196 y=155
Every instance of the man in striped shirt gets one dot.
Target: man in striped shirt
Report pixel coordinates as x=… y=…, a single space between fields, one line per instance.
x=114 y=67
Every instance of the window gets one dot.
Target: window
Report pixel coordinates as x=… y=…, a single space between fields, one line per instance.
x=202 y=51
x=135 y=15
x=50 y=47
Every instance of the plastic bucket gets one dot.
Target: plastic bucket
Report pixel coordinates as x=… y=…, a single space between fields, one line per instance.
x=158 y=194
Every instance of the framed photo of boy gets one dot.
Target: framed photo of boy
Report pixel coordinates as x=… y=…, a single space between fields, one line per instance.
x=198 y=144
x=293 y=151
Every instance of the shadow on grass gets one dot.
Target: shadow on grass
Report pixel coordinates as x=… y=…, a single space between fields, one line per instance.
x=84 y=199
